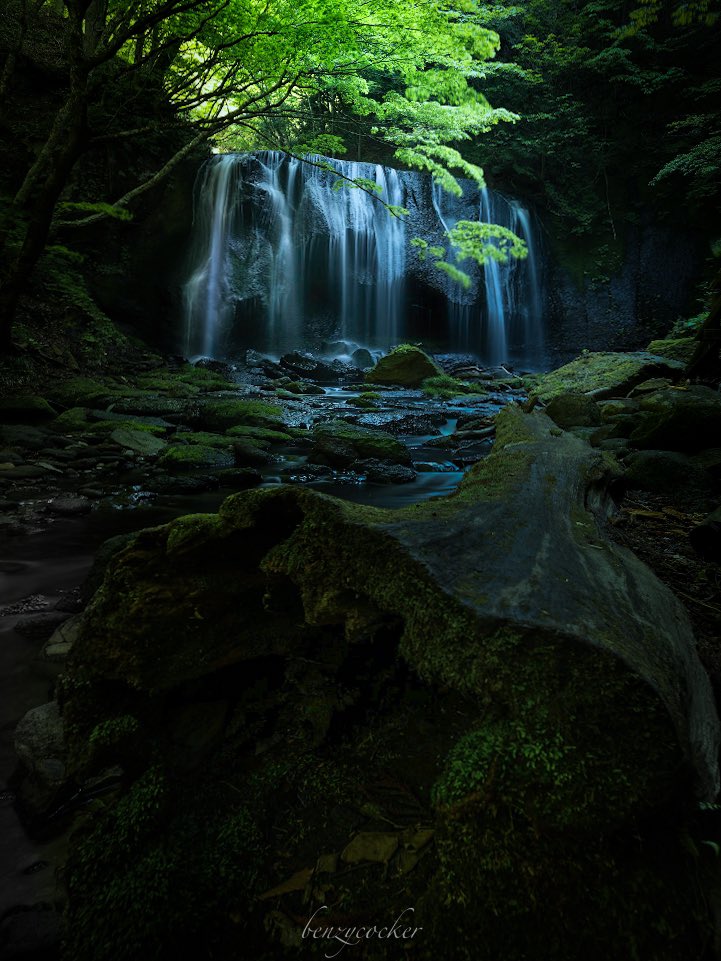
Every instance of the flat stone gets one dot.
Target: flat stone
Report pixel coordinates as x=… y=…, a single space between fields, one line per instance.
x=139 y=441
x=69 y=506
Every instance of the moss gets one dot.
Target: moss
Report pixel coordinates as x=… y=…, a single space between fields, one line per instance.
x=27 y=408
x=445 y=387
x=405 y=365
x=187 y=382
x=160 y=871
x=89 y=392
x=204 y=438
x=609 y=372
x=681 y=348
x=77 y=420
x=221 y=415
x=194 y=456
x=258 y=434
x=340 y=443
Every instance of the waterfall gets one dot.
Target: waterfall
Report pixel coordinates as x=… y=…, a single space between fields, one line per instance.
x=285 y=255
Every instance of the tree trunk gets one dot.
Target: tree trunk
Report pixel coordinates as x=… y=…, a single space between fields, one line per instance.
x=39 y=195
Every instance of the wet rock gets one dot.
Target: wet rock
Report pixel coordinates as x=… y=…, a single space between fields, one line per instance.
x=62 y=639
x=303 y=387
x=340 y=444
x=248 y=454
x=140 y=442
x=222 y=415
x=407 y=366
x=69 y=506
x=188 y=457
x=687 y=419
x=40 y=744
x=25 y=437
x=574 y=410
x=168 y=484
x=25 y=409
x=22 y=472
x=164 y=408
x=239 y=478
x=362 y=358
x=307 y=366
x=605 y=375
x=381 y=472
x=648 y=386
x=664 y=472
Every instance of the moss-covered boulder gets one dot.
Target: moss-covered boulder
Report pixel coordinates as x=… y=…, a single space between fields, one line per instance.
x=604 y=374
x=574 y=410
x=683 y=419
x=339 y=444
x=407 y=366
x=25 y=409
x=188 y=457
x=576 y=725
x=221 y=415
x=674 y=348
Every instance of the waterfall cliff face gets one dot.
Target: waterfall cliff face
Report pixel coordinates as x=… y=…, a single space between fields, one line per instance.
x=284 y=255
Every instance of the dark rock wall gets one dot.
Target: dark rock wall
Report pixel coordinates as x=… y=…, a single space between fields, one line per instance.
x=642 y=300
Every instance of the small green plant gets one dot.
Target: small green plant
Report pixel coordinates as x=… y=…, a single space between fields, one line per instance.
x=445 y=387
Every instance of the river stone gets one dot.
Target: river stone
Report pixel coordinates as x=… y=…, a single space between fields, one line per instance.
x=605 y=374
x=69 y=506
x=380 y=472
x=362 y=358
x=239 y=478
x=139 y=441
x=683 y=419
x=665 y=472
x=407 y=366
x=574 y=410
x=307 y=366
x=40 y=743
x=25 y=409
x=339 y=444
x=187 y=457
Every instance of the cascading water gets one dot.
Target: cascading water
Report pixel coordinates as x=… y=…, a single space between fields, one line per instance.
x=286 y=255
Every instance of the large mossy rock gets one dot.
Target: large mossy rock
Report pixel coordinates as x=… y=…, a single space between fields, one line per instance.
x=679 y=418
x=406 y=366
x=572 y=716
x=25 y=409
x=340 y=444
x=605 y=374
